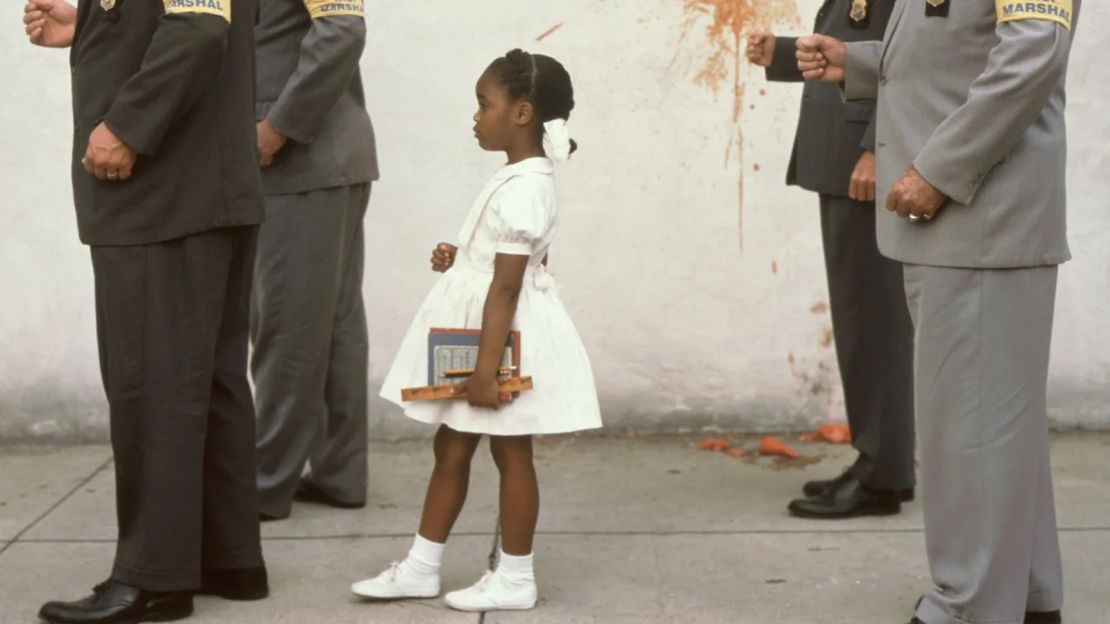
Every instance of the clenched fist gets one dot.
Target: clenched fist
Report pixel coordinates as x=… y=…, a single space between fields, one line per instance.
x=443 y=257
x=761 y=48
x=821 y=57
x=107 y=157
x=50 y=23
x=912 y=196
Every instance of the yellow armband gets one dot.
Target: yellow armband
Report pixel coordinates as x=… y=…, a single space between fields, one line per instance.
x=328 y=8
x=1058 y=11
x=220 y=8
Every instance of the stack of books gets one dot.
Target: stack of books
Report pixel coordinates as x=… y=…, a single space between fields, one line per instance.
x=452 y=357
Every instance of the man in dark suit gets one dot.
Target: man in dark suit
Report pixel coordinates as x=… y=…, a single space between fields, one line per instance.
x=166 y=188
x=834 y=155
x=308 y=323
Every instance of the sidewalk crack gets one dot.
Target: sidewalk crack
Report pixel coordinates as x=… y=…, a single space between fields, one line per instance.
x=56 y=505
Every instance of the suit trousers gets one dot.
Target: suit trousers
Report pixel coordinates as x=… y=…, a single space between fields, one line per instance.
x=981 y=372
x=874 y=343
x=308 y=329
x=172 y=325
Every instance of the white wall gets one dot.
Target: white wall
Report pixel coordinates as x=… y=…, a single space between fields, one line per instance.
x=687 y=328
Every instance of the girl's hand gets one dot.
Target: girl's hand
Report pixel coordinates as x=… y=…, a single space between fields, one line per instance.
x=443 y=257
x=482 y=391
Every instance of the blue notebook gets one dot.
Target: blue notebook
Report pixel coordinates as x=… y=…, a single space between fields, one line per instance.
x=457 y=349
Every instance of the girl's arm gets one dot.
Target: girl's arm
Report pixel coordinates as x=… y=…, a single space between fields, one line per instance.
x=497 y=320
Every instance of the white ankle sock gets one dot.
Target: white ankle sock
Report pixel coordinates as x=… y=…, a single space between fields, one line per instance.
x=516 y=570
x=424 y=557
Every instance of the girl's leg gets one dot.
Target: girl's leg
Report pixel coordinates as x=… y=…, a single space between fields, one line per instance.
x=449 y=483
x=513 y=584
x=520 y=493
x=418 y=575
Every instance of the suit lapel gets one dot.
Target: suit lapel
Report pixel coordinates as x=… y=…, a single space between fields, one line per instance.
x=825 y=10
x=895 y=20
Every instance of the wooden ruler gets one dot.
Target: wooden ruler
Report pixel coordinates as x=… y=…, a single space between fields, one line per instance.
x=447 y=392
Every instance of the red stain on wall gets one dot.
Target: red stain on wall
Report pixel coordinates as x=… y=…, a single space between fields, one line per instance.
x=724 y=25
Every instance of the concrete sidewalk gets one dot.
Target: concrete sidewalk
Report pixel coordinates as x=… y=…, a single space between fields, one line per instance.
x=632 y=531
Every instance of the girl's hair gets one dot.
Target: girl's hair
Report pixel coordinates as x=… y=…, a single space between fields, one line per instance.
x=540 y=79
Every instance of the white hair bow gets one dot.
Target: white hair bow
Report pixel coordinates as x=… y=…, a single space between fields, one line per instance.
x=556 y=140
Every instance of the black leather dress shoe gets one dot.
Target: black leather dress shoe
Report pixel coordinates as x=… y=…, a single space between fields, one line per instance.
x=309 y=492
x=819 y=487
x=236 y=584
x=113 y=602
x=849 y=500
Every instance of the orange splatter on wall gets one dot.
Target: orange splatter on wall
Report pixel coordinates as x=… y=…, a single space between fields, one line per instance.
x=724 y=26
x=547 y=33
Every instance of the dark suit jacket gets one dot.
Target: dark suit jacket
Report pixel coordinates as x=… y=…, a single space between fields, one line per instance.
x=310 y=89
x=174 y=81
x=832 y=133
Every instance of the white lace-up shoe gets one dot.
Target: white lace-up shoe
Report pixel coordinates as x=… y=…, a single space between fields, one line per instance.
x=397 y=583
x=494 y=593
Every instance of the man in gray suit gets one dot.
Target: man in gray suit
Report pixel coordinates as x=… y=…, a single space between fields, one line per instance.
x=834 y=155
x=971 y=151
x=308 y=324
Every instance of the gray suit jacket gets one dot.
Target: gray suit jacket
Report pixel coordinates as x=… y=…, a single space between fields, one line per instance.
x=832 y=134
x=310 y=88
x=977 y=107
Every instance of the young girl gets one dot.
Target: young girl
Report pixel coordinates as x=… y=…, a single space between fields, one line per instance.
x=496 y=280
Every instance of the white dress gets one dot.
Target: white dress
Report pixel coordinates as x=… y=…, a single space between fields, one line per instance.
x=514 y=214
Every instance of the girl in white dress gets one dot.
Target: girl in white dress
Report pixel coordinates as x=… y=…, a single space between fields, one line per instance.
x=496 y=280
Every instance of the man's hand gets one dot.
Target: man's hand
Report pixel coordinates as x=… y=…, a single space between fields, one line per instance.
x=862 y=186
x=50 y=23
x=270 y=142
x=761 y=48
x=821 y=57
x=107 y=157
x=913 y=197
x=443 y=257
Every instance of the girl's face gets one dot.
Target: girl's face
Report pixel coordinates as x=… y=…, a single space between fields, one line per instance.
x=499 y=120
